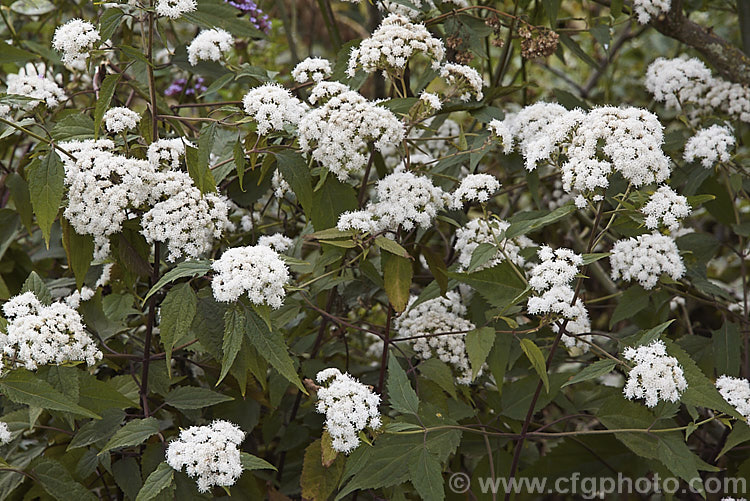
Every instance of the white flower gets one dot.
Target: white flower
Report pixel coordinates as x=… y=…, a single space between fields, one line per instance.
x=466 y=80
x=209 y=453
x=278 y=242
x=474 y=188
x=656 y=376
x=480 y=231
x=710 y=145
x=645 y=258
x=169 y=150
x=391 y=46
x=279 y=185
x=558 y=267
x=338 y=132
x=181 y=216
x=431 y=101
x=120 y=119
x=38 y=334
x=360 y=221
x=74 y=39
x=646 y=9
x=5 y=435
x=37 y=87
x=437 y=316
x=257 y=270
x=75 y=299
x=349 y=407
x=312 y=68
x=736 y=391
x=677 y=81
x=174 y=8
x=272 y=107
x=665 y=207
x=209 y=45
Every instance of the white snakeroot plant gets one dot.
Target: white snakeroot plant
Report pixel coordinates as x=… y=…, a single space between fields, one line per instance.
x=392 y=45
x=645 y=258
x=349 y=407
x=75 y=39
x=711 y=146
x=474 y=188
x=209 y=454
x=646 y=9
x=273 y=107
x=667 y=208
x=441 y=324
x=209 y=45
x=120 y=119
x=736 y=391
x=256 y=270
x=480 y=231
x=465 y=80
x=175 y=8
x=656 y=376
x=314 y=69
x=39 y=334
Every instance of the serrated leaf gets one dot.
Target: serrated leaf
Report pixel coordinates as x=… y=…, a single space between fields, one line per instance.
x=632 y=301
x=197 y=160
x=177 y=313
x=500 y=285
x=59 y=483
x=46 y=189
x=134 y=432
x=332 y=199
x=98 y=396
x=526 y=222
x=79 y=250
x=401 y=395
x=192 y=269
x=250 y=462
x=438 y=372
x=391 y=246
x=593 y=371
x=426 y=476
x=478 y=345
x=109 y=22
x=35 y=284
x=234 y=333
x=24 y=387
x=534 y=354
x=481 y=255
x=194 y=397
x=161 y=478
x=725 y=342
x=294 y=170
x=97 y=429
x=397 y=274
x=652 y=334
x=106 y=91
x=740 y=434
x=317 y=481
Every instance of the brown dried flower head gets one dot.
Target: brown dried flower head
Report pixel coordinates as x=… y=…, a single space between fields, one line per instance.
x=537 y=41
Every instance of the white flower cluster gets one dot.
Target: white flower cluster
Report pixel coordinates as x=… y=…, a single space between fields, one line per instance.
x=665 y=207
x=349 y=407
x=430 y=100
x=74 y=39
x=436 y=316
x=467 y=81
x=645 y=258
x=167 y=150
x=36 y=86
x=391 y=46
x=479 y=231
x=736 y=391
x=646 y=9
x=710 y=145
x=428 y=144
x=681 y=81
x=5 y=435
x=181 y=216
x=279 y=185
x=474 y=188
x=278 y=242
x=257 y=270
x=209 y=45
x=209 y=453
x=175 y=8
x=314 y=69
x=119 y=119
x=272 y=107
x=338 y=131
x=656 y=376
x=551 y=280
x=38 y=334
x=396 y=7
x=404 y=200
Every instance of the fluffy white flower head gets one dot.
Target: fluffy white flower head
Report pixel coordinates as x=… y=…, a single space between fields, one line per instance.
x=665 y=207
x=74 y=39
x=175 y=8
x=474 y=188
x=257 y=270
x=208 y=453
x=710 y=146
x=272 y=107
x=167 y=150
x=678 y=81
x=349 y=407
x=646 y=9
x=467 y=81
x=645 y=258
x=119 y=119
x=655 y=376
x=278 y=242
x=5 y=435
x=736 y=391
x=314 y=69
x=36 y=87
x=209 y=45
x=479 y=231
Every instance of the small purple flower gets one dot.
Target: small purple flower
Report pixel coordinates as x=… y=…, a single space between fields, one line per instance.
x=257 y=17
x=177 y=86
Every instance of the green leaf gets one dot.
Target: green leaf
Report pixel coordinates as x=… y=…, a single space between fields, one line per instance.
x=437 y=267
x=295 y=171
x=59 y=483
x=161 y=478
x=46 y=190
x=397 y=274
x=109 y=22
x=250 y=462
x=592 y=258
x=481 y=255
x=19 y=191
x=500 y=285
x=391 y=246
x=197 y=160
x=726 y=342
x=97 y=429
x=317 y=481
x=79 y=250
x=497 y=360
x=98 y=396
x=438 y=371
x=402 y=396
x=478 y=345
x=106 y=91
x=534 y=354
x=632 y=301
x=271 y=347
x=127 y=475
x=234 y=332
x=217 y=14
x=578 y=51
x=652 y=334
x=192 y=268
x=35 y=284
x=134 y=432
x=24 y=387
x=329 y=201
x=177 y=313
x=194 y=397
x=593 y=371
x=239 y=159
x=740 y=434
x=11 y=54
x=526 y=222
x=77 y=126
x=426 y=475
